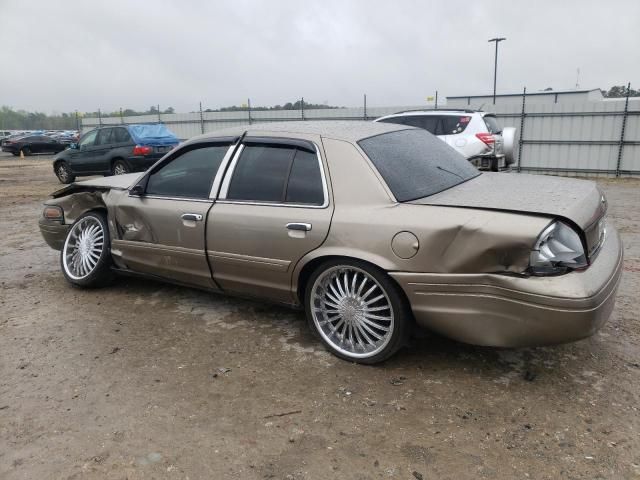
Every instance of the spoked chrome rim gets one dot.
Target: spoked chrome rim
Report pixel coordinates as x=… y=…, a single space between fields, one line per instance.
x=119 y=169
x=352 y=311
x=62 y=173
x=83 y=247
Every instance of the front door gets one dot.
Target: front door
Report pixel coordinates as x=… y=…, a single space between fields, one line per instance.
x=81 y=159
x=162 y=231
x=273 y=208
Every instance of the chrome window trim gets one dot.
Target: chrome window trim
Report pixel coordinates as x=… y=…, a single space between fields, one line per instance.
x=227 y=179
x=217 y=180
x=222 y=198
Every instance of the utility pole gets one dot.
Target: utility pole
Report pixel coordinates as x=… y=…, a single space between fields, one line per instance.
x=497 y=40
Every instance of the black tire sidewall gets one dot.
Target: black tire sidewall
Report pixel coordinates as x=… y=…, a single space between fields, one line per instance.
x=102 y=273
x=403 y=317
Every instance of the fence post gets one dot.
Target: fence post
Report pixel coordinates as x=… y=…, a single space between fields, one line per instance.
x=521 y=140
x=159 y=119
x=77 y=121
x=302 y=108
x=436 y=99
x=365 y=107
x=249 y=109
x=99 y=118
x=624 y=124
x=121 y=118
x=201 y=120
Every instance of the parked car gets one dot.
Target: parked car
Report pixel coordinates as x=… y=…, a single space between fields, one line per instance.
x=368 y=226
x=32 y=144
x=476 y=135
x=114 y=150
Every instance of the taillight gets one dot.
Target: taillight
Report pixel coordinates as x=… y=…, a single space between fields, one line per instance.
x=142 y=150
x=486 y=138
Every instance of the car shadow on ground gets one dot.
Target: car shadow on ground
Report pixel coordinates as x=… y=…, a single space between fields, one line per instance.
x=425 y=350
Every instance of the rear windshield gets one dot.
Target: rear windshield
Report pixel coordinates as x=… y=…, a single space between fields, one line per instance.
x=416 y=164
x=492 y=124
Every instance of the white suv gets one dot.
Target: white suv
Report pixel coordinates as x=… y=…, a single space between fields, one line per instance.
x=476 y=135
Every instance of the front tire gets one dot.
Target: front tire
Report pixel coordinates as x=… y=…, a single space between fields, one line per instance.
x=86 y=255
x=358 y=312
x=120 y=168
x=64 y=174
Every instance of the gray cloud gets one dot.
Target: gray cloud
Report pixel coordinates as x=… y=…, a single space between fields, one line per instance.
x=59 y=56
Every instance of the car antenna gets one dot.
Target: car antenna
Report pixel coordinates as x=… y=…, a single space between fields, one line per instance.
x=481 y=107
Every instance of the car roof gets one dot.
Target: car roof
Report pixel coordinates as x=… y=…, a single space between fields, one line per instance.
x=348 y=130
x=426 y=112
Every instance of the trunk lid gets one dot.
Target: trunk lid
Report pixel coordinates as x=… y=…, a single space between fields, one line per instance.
x=579 y=201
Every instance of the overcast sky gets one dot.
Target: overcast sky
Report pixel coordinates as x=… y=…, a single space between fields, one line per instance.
x=85 y=55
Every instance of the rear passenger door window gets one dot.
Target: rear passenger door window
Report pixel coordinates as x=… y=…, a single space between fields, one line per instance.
x=278 y=174
x=121 y=135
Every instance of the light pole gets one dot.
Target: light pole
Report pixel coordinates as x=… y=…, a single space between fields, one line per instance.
x=495 y=66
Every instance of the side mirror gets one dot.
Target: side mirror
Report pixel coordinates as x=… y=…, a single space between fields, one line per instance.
x=137 y=190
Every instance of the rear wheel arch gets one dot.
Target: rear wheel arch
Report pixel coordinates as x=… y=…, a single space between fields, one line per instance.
x=302 y=279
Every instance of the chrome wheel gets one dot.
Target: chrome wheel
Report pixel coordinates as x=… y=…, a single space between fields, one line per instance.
x=83 y=248
x=62 y=172
x=351 y=311
x=119 y=169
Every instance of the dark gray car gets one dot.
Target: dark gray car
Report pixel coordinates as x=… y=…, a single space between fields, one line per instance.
x=114 y=150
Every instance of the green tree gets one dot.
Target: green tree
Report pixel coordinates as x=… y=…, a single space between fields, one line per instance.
x=619 y=91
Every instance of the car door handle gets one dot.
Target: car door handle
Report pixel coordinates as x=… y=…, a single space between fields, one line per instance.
x=194 y=217
x=303 y=227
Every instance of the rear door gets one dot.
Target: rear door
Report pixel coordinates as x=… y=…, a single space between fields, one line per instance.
x=162 y=231
x=103 y=145
x=273 y=208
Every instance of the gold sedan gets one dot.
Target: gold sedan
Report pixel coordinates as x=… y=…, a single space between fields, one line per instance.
x=370 y=227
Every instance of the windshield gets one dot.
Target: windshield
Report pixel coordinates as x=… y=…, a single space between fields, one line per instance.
x=416 y=164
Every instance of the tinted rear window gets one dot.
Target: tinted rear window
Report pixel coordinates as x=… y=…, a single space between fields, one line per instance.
x=492 y=124
x=261 y=173
x=454 y=124
x=415 y=164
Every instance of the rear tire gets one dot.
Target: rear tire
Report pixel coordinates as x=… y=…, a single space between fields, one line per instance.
x=26 y=151
x=357 y=310
x=64 y=174
x=86 y=255
x=120 y=168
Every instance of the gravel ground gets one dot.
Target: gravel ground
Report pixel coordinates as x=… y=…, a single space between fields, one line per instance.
x=144 y=380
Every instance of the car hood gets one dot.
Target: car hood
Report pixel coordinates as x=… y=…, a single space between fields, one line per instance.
x=579 y=201
x=116 y=182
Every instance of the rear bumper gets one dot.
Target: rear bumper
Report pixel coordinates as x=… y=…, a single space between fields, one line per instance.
x=53 y=233
x=503 y=311
x=142 y=163
x=10 y=149
x=490 y=163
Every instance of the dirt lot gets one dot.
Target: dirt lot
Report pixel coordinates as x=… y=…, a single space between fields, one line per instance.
x=145 y=380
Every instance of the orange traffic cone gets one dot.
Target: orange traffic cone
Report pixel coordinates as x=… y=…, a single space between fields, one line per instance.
x=21 y=155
